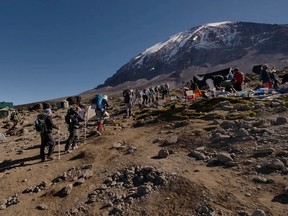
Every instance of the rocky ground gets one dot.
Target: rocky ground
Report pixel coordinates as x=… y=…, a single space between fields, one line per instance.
x=217 y=156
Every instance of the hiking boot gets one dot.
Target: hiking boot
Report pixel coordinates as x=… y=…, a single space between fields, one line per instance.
x=98 y=132
x=67 y=151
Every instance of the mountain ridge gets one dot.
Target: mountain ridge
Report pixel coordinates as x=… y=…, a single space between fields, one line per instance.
x=207 y=48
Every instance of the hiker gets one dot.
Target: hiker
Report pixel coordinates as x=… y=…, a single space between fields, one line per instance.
x=157 y=92
x=165 y=91
x=274 y=80
x=72 y=118
x=145 y=96
x=46 y=136
x=138 y=98
x=101 y=113
x=128 y=100
x=152 y=95
x=15 y=118
x=239 y=79
x=264 y=77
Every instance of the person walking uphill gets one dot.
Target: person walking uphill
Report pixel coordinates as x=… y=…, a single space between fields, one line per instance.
x=100 y=104
x=128 y=100
x=46 y=136
x=72 y=118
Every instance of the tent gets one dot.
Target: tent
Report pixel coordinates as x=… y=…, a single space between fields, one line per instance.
x=256 y=69
x=223 y=72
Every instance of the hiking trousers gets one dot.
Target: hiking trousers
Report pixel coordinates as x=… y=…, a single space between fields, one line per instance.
x=46 y=140
x=72 y=139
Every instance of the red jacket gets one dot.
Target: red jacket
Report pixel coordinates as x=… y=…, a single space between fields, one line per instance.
x=239 y=77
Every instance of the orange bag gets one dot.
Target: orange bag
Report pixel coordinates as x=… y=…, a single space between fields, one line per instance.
x=198 y=92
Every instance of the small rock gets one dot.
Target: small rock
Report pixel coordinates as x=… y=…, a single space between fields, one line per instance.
x=163 y=153
x=42 y=207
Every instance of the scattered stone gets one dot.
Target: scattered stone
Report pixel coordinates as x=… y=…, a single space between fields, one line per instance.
x=280 y=120
x=259 y=179
x=163 y=153
x=66 y=190
x=42 y=207
x=224 y=158
x=197 y=155
x=143 y=189
x=258 y=212
x=275 y=164
x=264 y=151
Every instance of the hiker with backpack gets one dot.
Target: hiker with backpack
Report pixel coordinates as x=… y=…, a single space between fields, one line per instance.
x=72 y=119
x=128 y=100
x=45 y=125
x=138 y=98
x=15 y=118
x=146 y=94
x=100 y=103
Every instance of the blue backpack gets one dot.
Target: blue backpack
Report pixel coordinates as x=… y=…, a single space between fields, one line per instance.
x=97 y=102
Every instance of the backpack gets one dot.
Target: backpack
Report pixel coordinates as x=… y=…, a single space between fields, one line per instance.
x=97 y=102
x=139 y=93
x=127 y=96
x=71 y=118
x=40 y=124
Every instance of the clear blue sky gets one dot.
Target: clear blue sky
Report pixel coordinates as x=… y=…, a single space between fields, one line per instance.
x=57 y=48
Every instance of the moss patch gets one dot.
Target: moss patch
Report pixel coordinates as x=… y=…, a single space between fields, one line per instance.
x=207 y=105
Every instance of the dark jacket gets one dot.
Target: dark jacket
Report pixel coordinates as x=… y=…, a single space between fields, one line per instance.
x=49 y=124
x=264 y=76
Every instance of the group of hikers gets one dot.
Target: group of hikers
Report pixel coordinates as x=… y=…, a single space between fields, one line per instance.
x=144 y=97
x=77 y=114
x=139 y=97
x=74 y=116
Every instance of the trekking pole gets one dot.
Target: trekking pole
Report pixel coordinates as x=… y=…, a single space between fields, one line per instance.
x=85 y=126
x=59 y=143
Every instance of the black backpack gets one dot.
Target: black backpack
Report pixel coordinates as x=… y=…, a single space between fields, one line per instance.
x=127 y=96
x=72 y=118
x=40 y=124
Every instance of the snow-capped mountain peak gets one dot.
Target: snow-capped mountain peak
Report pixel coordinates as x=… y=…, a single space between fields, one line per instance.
x=210 y=44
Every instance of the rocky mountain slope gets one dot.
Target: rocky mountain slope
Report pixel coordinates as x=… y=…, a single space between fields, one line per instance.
x=220 y=156
x=208 y=48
